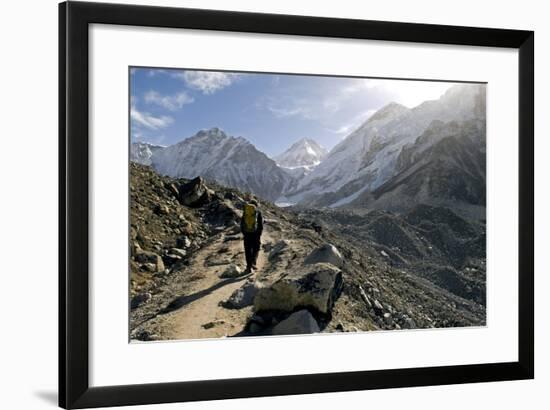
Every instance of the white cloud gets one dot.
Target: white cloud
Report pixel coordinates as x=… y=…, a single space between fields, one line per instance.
x=149 y=121
x=170 y=102
x=155 y=71
x=413 y=93
x=285 y=112
x=208 y=82
x=337 y=100
x=286 y=106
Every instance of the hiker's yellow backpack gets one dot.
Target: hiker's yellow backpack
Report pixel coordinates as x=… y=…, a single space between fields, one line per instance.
x=249 y=218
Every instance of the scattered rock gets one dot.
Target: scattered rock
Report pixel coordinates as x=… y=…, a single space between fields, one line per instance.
x=183 y=242
x=408 y=323
x=135 y=248
x=149 y=267
x=229 y=238
x=327 y=253
x=182 y=253
x=210 y=325
x=316 y=286
x=140 y=299
x=298 y=323
x=216 y=260
x=161 y=209
x=173 y=189
x=144 y=336
x=378 y=308
x=170 y=259
x=150 y=257
x=364 y=297
x=384 y=254
x=233 y=271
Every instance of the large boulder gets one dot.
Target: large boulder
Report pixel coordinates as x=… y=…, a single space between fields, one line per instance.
x=298 y=323
x=242 y=297
x=327 y=253
x=278 y=251
x=194 y=193
x=314 y=286
x=223 y=213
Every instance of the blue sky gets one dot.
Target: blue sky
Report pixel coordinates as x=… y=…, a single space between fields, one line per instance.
x=270 y=110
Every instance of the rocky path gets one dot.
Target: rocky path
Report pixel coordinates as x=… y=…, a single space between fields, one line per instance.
x=197 y=313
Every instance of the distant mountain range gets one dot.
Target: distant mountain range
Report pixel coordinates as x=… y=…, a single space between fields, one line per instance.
x=230 y=161
x=433 y=153
x=369 y=156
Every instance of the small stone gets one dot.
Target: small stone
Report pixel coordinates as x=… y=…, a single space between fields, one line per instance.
x=149 y=267
x=162 y=210
x=365 y=297
x=183 y=242
x=378 y=306
x=170 y=259
x=384 y=254
x=179 y=252
x=210 y=325
x=409 y=323
x=233 y=271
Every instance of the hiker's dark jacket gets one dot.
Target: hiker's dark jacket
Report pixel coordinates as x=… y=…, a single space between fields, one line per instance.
x=259 y=224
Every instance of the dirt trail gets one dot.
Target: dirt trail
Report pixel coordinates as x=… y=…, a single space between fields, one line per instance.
x=200 y=305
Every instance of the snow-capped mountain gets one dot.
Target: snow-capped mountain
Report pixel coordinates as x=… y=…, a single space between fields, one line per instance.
x=446 y=166
x=368 y=157
x=141 y=152
x=303 y=153
x=227 y=160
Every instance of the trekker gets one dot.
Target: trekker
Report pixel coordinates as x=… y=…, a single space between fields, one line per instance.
x=252 y=225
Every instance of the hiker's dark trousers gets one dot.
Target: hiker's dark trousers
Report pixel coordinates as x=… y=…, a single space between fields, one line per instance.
x=251 y=248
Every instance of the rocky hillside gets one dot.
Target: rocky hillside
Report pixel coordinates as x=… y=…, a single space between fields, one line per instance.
x=320 y=271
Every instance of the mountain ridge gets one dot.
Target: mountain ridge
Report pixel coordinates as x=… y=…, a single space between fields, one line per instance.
x=232 y=161
x=368 y=156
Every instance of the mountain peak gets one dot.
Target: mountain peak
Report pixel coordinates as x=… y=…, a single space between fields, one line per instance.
x=211 y=132
x=390 y=110
x=304 y=152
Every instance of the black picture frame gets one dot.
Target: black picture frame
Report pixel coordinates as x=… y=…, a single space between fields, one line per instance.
x=74 y=387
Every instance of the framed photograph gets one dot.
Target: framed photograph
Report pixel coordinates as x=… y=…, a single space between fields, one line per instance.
x=256 y=205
